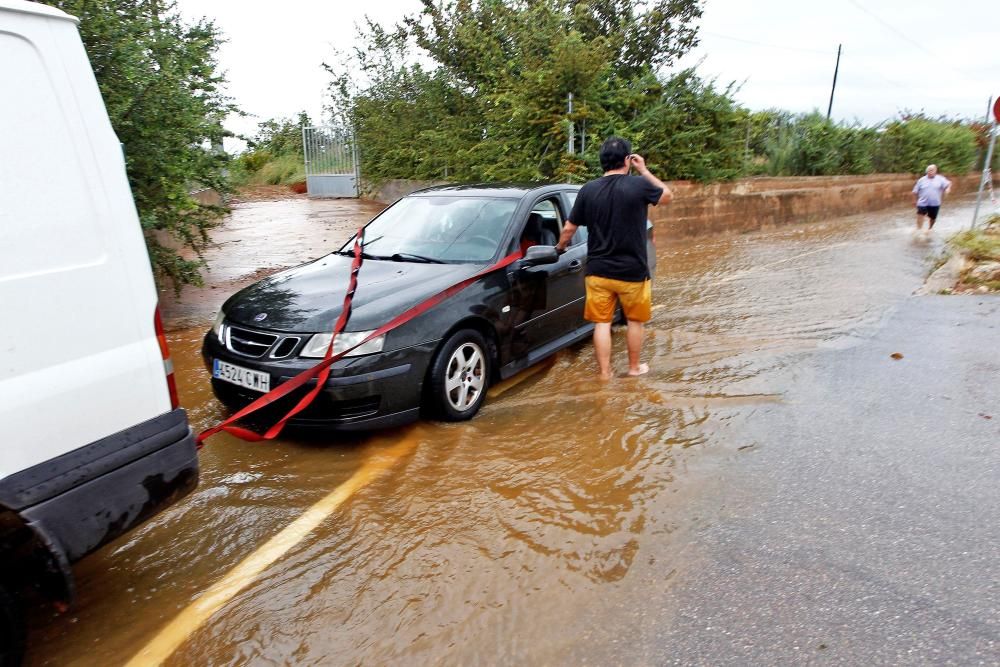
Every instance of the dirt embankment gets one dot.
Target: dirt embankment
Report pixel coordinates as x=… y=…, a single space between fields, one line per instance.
x=973 y=263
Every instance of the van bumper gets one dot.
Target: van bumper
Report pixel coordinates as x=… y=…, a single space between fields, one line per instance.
x=87 y=497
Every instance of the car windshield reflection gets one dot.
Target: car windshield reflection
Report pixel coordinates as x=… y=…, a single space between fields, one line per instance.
x=438 y=229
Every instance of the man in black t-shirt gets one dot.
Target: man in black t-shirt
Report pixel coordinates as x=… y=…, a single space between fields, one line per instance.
x=614 y=210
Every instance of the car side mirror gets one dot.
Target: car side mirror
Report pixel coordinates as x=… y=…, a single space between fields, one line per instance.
x=540 y=254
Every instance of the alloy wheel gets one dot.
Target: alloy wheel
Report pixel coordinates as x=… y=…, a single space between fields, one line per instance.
x=465 y=377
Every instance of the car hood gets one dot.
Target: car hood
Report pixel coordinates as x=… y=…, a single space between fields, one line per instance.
x=309 y=298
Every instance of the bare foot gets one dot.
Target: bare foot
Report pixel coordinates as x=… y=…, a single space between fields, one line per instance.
x=642 y=370
x=606 y=377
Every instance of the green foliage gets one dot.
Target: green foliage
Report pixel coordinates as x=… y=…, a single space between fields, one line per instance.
x=280 y=136
x=910 y=143
x=783 y=144
x=282 y=170
x=160 y=83
x=492 y=102
x=980 y=245
x=689 y=130
x=274 y=155
x=494 y=105
x=810 y=145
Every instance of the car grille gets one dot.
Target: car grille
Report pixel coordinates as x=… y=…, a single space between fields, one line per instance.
x=248 y=343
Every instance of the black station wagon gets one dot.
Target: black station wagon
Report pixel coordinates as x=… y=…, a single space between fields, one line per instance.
x=440 y=363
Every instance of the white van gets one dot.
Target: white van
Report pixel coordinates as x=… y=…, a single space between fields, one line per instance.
x=93 y=439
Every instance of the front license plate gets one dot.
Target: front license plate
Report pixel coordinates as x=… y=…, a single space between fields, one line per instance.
x=243 y=377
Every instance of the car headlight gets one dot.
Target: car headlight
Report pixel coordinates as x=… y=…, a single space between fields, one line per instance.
x=218 y=326
x=316 y=347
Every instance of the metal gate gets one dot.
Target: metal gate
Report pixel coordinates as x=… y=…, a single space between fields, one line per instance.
x=331 y=162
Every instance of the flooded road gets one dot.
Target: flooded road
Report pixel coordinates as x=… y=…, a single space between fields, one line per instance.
x=535 y=533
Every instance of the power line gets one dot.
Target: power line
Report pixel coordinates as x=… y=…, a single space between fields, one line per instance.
x=898 y=32
x=935 y=59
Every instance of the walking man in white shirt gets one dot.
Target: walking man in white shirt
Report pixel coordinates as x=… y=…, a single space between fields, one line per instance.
x=927 y=195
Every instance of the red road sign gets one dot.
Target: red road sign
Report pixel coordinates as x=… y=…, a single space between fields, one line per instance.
x=996 y=109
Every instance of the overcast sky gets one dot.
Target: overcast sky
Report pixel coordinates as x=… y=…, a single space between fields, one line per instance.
x=938 y=57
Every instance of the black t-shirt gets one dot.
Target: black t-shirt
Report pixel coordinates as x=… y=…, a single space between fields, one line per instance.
x=613 y=208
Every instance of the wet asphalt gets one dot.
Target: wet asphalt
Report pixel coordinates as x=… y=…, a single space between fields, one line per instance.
x=861 y=527
x=778 y=490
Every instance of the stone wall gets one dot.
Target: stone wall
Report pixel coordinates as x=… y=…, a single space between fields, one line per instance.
x=390 y=191
x=754 y=203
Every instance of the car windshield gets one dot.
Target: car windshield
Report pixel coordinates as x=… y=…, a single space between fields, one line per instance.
x=438 y=229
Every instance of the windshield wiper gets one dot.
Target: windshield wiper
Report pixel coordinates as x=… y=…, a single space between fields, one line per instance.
x=410 y=257
x=364 y=255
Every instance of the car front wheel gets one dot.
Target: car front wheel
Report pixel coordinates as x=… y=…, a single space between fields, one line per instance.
x=459 y=376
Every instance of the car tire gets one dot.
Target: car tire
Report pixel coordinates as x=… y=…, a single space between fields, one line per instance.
x=459 y=377
x=11 y=629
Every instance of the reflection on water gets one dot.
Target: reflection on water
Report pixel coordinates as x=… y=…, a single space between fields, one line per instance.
x=494 y=537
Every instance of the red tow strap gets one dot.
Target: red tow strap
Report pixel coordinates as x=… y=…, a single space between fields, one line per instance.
x=321 y=371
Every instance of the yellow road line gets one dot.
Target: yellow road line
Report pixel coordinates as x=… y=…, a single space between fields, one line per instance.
x=244 y=574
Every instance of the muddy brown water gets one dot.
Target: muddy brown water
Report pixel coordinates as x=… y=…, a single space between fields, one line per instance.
x=530 y=533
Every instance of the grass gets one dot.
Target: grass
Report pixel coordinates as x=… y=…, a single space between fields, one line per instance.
x=980 y=245
x=280 y=170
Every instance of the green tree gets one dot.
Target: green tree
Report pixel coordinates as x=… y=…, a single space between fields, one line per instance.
x=164 y=94
x=275 y=154
x=280 y=136
x=493 y=103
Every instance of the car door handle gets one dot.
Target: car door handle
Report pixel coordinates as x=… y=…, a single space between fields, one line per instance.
x=575 y=266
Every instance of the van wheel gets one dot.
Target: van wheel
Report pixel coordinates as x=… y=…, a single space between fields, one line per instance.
x=11 y=629
x=459 y=377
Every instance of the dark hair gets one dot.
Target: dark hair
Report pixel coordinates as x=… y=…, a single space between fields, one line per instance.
x=614 y=150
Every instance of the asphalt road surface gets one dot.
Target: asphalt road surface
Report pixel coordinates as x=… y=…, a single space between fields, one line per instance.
x=777 y=490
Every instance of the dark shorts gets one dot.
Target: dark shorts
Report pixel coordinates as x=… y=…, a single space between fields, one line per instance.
x=930 y=211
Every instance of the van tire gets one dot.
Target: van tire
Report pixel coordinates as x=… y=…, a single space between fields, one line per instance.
x=11 y=628
x=464 y=358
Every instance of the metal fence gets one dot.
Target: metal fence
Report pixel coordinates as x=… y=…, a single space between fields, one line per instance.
x=331 y=162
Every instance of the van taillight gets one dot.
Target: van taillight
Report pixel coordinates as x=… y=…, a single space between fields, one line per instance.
x=168 y=365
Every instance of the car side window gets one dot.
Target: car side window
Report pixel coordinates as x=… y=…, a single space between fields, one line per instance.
x=544 y=224
x=581 y=232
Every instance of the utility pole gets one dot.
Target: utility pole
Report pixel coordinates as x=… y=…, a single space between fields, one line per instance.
x=834 y=87
x=571 y=148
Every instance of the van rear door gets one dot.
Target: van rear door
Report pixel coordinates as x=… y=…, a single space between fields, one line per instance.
x=79 y=358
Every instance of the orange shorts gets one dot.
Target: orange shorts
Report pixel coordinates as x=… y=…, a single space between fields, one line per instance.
x=603 y=294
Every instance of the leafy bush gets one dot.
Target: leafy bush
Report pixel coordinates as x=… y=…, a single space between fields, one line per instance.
x=275 y=155
x=159 y=79
x=253 y=161
x=912 y=142
x=280 y=136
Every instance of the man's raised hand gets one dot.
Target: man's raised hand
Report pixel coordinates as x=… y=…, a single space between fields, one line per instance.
x=638 y=162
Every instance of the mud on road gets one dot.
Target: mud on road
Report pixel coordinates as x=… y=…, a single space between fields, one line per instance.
x=543 y=530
